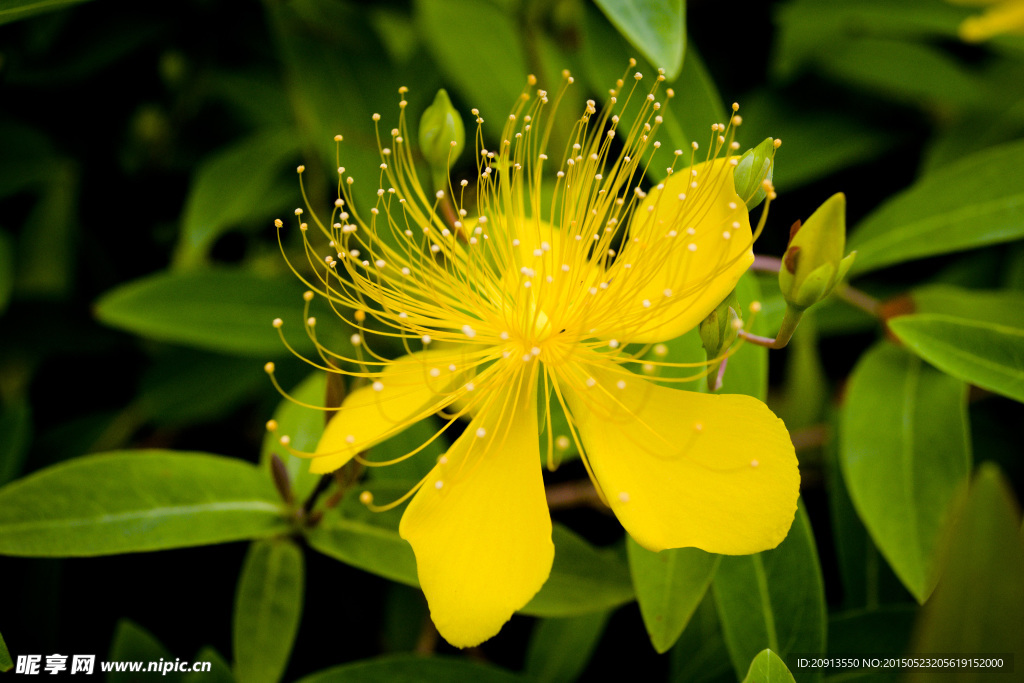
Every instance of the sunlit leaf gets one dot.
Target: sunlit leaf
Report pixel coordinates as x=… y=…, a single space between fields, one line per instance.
x=669 y=585
x=1000 y=307
x=656 y=28
x=969 y=204
x=767 y=667
x=560 y=649
x=988 y=355
x=5 y=656
x=978 y=605
x=220 y=671
x=134 y=501
x=268 y=607
x=407 y=668
x=905 y=449
x=774 y=599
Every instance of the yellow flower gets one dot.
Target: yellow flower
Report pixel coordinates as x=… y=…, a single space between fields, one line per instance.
x=1001 y=16
x=510 y=308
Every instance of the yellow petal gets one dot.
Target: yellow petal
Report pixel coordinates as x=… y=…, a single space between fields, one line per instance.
x=681 y=264
x=404 y=393
x=684 y=469
x=480 y=526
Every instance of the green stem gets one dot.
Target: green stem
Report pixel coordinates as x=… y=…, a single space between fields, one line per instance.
x=786 y=330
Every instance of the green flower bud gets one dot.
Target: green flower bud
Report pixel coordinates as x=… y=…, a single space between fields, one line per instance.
x=754 y=167
x=442 y=136
x=718 y=331
x=814 y=263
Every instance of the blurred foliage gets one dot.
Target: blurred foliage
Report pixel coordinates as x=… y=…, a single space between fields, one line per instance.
x=145 y=149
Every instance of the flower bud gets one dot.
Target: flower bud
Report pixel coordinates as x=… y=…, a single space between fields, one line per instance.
x=440 y=126
x=718 y=331
x=813 y=263
x=755 y=166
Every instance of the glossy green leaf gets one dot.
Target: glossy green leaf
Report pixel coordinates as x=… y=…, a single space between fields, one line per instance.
x=5 y=656
x=134 y=501
x=220 y=671
x=231 y=186
x=767 y=667
x=15 y=435
x=268 y=608
x=669 y=585
x=229 y=311
x=303 y=426
x=774 y=599
x=905 y=449
x=988 y=355
x=969 y=204
x=1000 y=307
x=657 y=28
x=560 y=649
x=583 y=578
x=489 y=79
x=978 y=605
x=132 y=643
x=16 y=10
x=6 y=270
x=407 y=668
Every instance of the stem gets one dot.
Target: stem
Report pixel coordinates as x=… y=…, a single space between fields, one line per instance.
x=720 y=375
x=859 y=299
x=786 y=330
x=573 y=494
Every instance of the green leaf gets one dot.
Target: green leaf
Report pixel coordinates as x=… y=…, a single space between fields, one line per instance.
x=15 y=435
x=768 y=668
x=583 y=579
x=303 y=426
x=669 y=585
x=5 y=656
x=184 y=386
x=560 y=649
x=223 y=310
x=904 y=450
x=232 y=186
x=489 y=79
x=984 y=354
x=965 y=205
x=134 y=501
x=687 y=117
x=268 y=607
x=407 y=668
x=999 y=307
x=46 y=250
x=978 y=605
x=132 y=643
x=774 y=599
x=880 y=631
x=657 y=28
x=16 y=10
x=220 y=671
x=700 y=655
